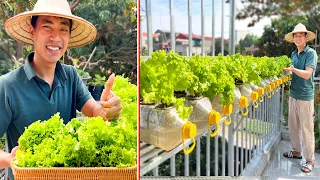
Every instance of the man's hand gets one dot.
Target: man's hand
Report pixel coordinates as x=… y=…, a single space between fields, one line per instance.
x=289 y=69
x=110 y=103
x=13 y=155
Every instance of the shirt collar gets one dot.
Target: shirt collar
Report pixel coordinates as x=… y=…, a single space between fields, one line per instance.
x=305 y=49
x=30 y=72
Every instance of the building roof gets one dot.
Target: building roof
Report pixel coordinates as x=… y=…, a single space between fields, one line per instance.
x=186 y=36
x=144 y=34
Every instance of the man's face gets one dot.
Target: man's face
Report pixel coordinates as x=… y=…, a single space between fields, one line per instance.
x=50 y=36
x=299 y=39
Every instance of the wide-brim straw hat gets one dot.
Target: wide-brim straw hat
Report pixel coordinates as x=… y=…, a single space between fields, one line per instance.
x=300 y=28
x=82 y=32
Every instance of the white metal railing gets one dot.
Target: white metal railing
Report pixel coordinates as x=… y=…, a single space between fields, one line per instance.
x=245 y=137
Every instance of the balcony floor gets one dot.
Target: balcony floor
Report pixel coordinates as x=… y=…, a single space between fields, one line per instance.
x=280 y=167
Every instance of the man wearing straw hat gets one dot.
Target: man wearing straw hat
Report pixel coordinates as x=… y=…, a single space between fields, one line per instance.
x=43 y=86
x=301 y=104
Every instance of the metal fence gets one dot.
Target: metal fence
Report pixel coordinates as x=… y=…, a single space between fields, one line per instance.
x=242 y=141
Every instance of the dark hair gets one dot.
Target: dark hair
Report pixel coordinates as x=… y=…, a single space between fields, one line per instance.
x=35 y=18
x=304 y=33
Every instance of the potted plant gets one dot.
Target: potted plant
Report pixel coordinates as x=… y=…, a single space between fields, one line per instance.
x=84 y=75
x=96 y=86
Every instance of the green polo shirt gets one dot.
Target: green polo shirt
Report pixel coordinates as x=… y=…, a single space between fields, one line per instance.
x=26 y=98
x=300 y=88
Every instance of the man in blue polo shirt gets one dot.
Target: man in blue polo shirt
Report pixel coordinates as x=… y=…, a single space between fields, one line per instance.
x=43 y=86
x=301 y=104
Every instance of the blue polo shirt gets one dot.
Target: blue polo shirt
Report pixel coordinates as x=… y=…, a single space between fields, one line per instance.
x=26 y=98
x=300 y=88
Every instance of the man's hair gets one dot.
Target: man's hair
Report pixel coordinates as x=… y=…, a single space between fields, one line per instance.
x=304 y=33
x=35 y=18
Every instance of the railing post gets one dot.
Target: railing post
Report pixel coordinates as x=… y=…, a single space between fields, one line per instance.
x=202 y=28
x=208 y=155
x=173 y=165
x=222 y=27
x=231 y=147
x=173 y=35
x=198 y=156
x=213 y=30
x=190 y=26
x=223 y=149
x=149 y=27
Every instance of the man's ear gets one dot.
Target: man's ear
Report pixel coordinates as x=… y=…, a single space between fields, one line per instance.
x=31 y=32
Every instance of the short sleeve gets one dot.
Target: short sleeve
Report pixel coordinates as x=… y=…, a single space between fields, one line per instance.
x=82 y=93
x=311 y=59
x=5 y=110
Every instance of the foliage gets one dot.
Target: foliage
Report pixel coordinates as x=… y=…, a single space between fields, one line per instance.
x=248 y=41
x=88 y=143
x=116 y=42
x=274 y=66
x=127 y=92
x=257 y=9
x=162 y=75
x=98 y=80
x=203 y=76
x=2 y=142
x=235 y=67
x=223 y=84
x=83 y=74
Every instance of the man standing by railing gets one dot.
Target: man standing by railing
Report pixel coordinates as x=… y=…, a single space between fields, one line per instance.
x=301 y=100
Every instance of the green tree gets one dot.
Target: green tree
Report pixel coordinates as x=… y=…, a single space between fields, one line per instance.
x=257 y=9
x=248 y=41
x=116 y=42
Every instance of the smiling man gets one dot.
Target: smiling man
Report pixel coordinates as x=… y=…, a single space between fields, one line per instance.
x=44 y=86
x=301 y=103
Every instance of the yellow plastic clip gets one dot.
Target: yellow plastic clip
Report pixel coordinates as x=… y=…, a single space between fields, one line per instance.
x=260 y=93
x=287 y=80
x=273 y=85
x=189 y=131
x=277 y=86
x=227 y=110
x=213 y=118
x=269 y=89
x=254 y=97
x=244 y=104
x=280 y=81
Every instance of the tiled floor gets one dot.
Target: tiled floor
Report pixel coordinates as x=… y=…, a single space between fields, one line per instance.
x=280 y=167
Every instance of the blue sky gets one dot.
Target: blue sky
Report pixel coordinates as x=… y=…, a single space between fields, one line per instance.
x=161 y=17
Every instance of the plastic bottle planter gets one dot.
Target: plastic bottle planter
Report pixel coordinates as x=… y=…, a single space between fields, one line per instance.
x=244 y=105
x=260 y=93
x=269 y=93
x=213 y=119
x=189 y=131
x=227 y=110
x=254 y=98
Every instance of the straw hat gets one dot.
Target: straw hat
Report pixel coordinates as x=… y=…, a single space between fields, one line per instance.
x=82 y=32
x=300 y=28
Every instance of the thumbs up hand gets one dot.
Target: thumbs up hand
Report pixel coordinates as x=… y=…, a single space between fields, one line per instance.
x=111 y=106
